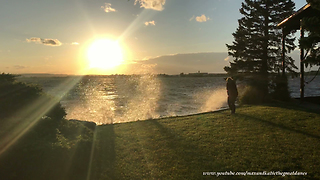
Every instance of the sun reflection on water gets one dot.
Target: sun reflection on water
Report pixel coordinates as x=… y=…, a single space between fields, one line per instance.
x=116 y=100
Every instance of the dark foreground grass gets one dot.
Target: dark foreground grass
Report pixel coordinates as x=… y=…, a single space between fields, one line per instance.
x=256 y=139
x=51 y=150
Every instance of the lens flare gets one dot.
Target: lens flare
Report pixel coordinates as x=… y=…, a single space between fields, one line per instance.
x=104 y=54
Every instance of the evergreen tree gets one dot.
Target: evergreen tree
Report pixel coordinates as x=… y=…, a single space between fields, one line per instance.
x=257 y=43
x=311 y=42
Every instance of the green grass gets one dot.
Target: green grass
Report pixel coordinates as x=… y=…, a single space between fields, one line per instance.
x=257 y=138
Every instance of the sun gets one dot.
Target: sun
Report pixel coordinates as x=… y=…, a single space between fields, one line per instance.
x=104 y=54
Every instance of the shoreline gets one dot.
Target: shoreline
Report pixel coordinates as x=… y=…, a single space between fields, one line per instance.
x=311 y=102
x=165 y=117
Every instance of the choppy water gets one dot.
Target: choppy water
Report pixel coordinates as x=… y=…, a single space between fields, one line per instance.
x=129 y=98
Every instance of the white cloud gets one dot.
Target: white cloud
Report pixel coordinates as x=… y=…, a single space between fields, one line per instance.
x=192 y=62
x=5 y=51
x=107 y=8
x=202 y=18
x=150 y=23
x=34 y=39
x=47 y=42
x=151 y=4
x=48 y=58
x=19 y=67
x=192 y=18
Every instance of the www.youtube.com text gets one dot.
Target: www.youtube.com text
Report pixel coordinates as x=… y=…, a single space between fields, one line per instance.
x=251 y=173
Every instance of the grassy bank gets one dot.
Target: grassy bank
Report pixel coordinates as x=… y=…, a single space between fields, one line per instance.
x=257 y=138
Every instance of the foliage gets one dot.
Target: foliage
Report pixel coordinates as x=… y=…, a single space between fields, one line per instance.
x=7 y=78
x=311 y=42
x=315 y=4
x=50 y=150
x=56 y=112
x=257 y=43
x=70 y=133
x=17 y=95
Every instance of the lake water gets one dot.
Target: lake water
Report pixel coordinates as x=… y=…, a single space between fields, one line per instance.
x=116 y=99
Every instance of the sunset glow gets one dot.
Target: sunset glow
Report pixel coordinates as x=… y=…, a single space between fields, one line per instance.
x=104 y=54
x=118 y=37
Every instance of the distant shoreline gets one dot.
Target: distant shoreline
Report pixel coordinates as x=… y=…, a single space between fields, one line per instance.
x=197 y=74
x=124 y=75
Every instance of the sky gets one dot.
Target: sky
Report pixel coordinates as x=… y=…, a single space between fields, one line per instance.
x=158 y=36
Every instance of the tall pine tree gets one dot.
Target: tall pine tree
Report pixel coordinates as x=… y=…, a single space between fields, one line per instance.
x=311 y=43
x=257 y=43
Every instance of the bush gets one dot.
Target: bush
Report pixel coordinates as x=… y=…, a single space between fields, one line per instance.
x=57 y=112
x=17 y=95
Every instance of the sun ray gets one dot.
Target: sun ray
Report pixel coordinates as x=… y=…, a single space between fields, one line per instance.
x=144 y=16
x=33 y=113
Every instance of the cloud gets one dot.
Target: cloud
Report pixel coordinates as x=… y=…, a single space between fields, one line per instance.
x=107 y=8
x=19 y=67
x=5 y=51
x=227 y=58
x=74 y=43
x=187 y=63
x=151 y=4
x=202 y=18
x=48 y=58
x=150 y=23
x=34 y=39
x=47 y=42
x=51 y=42
x=191 y=18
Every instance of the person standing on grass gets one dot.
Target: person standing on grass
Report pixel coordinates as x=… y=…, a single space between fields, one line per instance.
x=232 y=94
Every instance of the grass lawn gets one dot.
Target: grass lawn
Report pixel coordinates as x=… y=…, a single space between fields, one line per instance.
x=256 y=139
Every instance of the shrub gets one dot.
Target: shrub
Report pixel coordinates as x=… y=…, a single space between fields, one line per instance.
x=17 y=95
x=57 y=112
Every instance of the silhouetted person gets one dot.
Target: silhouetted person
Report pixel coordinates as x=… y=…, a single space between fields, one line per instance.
x=232 y=94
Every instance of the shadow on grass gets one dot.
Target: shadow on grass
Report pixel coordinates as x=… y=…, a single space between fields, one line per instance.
x=296 y=105
x=103 y=155
x=280 y=126
x=189 y=159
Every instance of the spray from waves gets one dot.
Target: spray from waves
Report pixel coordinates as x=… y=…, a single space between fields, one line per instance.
x=117 y=100
x=212 y=100
x=94 y=105
x=142 y=95
x=131 y=98
x=143 y=102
